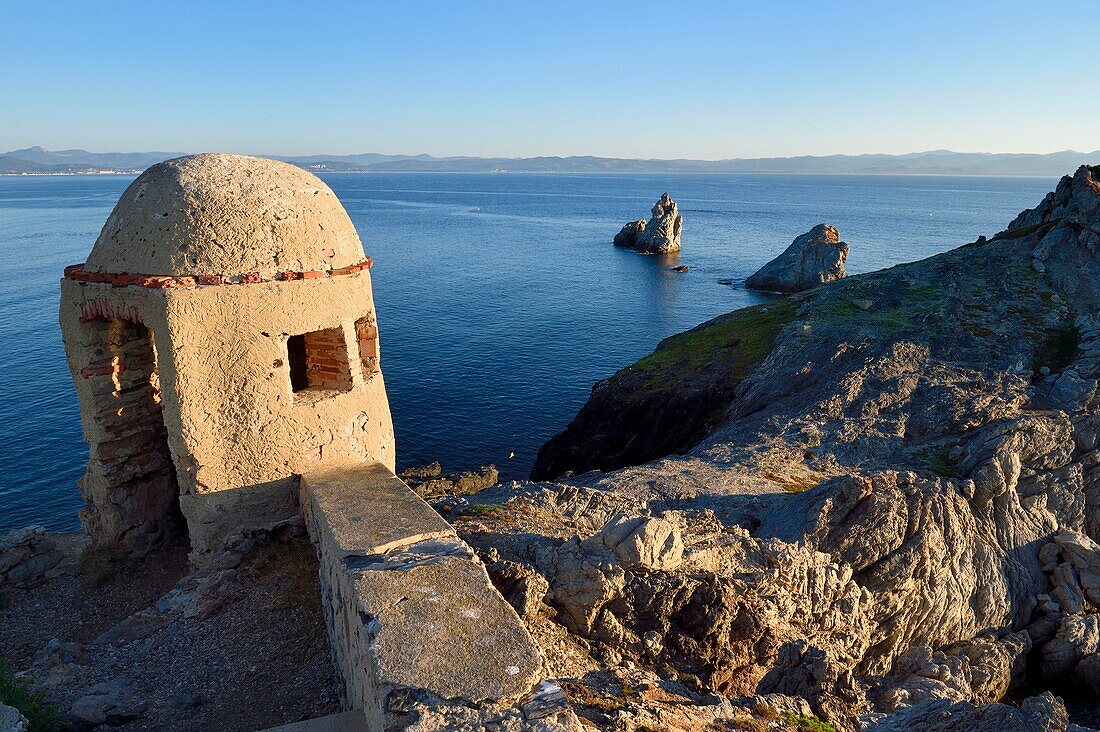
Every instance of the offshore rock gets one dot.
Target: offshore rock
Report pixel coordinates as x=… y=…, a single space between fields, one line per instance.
x=662 y=233
x=813 y=258
x=628 y=235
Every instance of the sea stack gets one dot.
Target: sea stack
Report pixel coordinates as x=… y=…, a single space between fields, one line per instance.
x=628 y=235
x=813 y=258
x=660 y=236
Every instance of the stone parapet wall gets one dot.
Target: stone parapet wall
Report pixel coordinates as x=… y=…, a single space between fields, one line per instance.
x=409 y=605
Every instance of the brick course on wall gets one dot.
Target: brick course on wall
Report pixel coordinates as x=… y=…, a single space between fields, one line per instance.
x=78 y=273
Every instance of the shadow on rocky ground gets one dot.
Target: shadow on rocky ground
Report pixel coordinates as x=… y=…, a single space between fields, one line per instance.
x=240 y=646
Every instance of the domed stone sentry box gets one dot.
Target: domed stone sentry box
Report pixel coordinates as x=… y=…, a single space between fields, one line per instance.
x=223 y=343
x=222 y=340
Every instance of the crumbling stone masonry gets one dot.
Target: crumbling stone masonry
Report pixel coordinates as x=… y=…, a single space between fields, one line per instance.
x=224 y=347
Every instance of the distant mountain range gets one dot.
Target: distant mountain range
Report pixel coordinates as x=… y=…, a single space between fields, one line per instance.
x=37 y=160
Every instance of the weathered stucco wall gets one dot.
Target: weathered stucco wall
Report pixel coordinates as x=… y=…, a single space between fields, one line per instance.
x=238 y=433
x=408 y=603
x=123 y=505
x=256 y=431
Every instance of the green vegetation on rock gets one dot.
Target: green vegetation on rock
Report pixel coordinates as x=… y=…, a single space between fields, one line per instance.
x=16 y=692
x=806 y=723
x=481 y=510
x=939 y=462
x=98 y=564
x=740 y=341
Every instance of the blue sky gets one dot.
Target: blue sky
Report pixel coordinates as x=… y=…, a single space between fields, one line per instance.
x=630 y=79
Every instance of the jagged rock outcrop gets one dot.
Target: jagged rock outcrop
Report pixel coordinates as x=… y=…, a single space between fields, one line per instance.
x=110 y=703
x=1044 y=713
x=667 y=402
x=11 y=720
x=812 y=258
x=981 y=670
x=888 y=490
x=26 y=555
x=642 y=541
x=661 y=235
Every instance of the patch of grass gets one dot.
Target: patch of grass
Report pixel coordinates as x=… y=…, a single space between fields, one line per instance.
x=767 y=711
x=741 y=724
x=924 y=293
x=806 y=723
x=793 y=483
x=1023 y=231
x=98 y=564
x=911 y=308
x=740 y=340
x=939 y=462
x=843 y=308
x=16 y=692
x=481 y=510
x=583 y=695
x=976 y=330
x=1056 y=348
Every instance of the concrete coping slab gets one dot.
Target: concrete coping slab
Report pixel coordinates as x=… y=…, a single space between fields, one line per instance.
x=368 y=510
x=441 y=625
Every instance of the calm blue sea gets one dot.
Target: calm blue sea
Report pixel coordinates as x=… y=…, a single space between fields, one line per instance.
x=500 y=298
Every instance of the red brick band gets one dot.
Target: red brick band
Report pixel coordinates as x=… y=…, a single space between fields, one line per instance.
x=77 y=273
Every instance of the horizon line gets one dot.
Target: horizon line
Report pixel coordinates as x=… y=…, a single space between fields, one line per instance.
x=585 y=155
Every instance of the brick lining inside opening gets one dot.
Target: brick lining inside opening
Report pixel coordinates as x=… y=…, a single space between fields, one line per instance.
x=366 y=333
x=318 y=362
x=130 y=464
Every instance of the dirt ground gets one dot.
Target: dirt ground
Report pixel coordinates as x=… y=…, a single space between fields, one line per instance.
x=259 y=660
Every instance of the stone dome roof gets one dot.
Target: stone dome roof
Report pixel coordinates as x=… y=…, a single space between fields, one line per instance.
x=221 y=214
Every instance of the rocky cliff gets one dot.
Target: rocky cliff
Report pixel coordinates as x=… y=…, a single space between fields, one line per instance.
x=880 y=497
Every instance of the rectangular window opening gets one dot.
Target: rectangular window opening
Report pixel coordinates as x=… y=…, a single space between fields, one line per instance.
x=318 y=363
